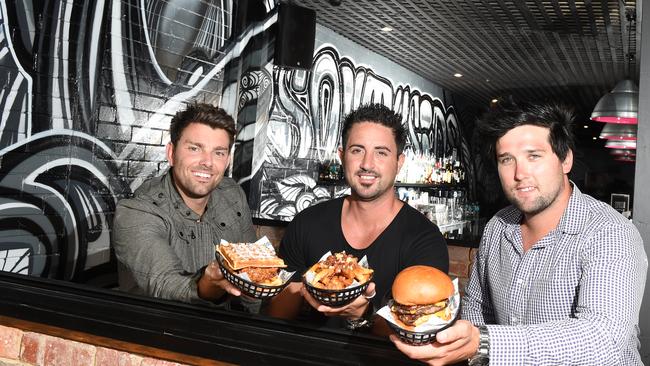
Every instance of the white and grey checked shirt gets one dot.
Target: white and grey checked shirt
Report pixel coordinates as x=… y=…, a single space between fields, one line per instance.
x=572 y=299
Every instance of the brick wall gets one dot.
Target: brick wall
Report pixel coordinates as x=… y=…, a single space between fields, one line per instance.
x=18 y=347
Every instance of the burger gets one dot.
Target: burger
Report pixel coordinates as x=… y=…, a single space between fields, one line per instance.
x=420 y=292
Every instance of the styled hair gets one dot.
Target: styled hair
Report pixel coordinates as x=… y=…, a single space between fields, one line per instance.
x=558 y=119
x=203 y=113
x=380 y=114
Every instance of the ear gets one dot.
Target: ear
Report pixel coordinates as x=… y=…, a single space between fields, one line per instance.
x=170 y=153
x=340 y=151
x=567 y=164
x=400 y=161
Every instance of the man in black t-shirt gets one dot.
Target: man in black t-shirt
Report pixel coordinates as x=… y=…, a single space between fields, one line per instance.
x=371 y=222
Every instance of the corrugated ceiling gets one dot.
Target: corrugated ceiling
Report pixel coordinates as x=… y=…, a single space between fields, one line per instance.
x=573 y=51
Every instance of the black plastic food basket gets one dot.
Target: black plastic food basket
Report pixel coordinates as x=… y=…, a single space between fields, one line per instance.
x=249 y=288
x=336 y=298
x=419 y=338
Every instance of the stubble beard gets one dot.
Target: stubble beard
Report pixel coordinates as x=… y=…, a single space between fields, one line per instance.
x=539 y=204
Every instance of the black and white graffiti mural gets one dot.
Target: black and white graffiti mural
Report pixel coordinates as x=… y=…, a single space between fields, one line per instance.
x=303 y=129
x=89 y=88
x=88 y=91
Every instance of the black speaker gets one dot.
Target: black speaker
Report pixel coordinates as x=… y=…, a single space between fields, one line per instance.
x=294 y=43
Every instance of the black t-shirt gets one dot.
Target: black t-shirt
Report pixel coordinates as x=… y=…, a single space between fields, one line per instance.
x=408 y=240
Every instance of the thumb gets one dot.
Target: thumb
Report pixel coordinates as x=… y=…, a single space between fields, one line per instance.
x=370 y=291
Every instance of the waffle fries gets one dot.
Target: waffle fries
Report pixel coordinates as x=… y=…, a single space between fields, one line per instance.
x=338 y=271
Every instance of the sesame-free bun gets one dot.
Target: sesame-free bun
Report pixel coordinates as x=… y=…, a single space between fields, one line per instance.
x=421 y=285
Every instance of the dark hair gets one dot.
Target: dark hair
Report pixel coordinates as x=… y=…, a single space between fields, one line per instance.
x=203 y=113
x=380 y=114
x=503 y=118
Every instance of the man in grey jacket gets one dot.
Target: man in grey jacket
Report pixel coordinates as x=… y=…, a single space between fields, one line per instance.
x=164 y=236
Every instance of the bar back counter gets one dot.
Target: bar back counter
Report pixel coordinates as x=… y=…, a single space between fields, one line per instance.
x=180 y=332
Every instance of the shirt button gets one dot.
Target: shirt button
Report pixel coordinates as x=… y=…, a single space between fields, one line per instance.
x=187 y=213
x=238 y=213
x=223 y=224
x=160 y=195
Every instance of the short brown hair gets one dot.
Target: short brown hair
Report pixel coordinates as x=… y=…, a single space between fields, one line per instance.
x=203 y=113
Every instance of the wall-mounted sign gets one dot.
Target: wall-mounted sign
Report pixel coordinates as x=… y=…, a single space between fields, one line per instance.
x=620 y=202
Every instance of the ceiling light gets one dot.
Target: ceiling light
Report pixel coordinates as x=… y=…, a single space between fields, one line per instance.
x=585 y=126
x=613 y=131
x=621 y=105
x=628 y=159
x=622 y=152
x=387 y=29
x=458 y=75
x=495 y=100
x=620 y=144
x=594 y=138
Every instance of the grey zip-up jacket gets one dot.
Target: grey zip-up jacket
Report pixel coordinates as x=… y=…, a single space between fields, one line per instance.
x=162 y=245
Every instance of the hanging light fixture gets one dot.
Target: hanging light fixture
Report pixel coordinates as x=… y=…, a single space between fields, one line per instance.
x=627 y=159
x=620 y=144
x=613 y=131
x=621 y=105
x=623 y=152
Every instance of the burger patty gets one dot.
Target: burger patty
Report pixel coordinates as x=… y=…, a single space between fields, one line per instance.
x=261 y=274
x=408 y=314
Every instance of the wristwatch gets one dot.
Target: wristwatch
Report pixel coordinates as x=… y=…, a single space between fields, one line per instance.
x=482 y=356
x=361 y=323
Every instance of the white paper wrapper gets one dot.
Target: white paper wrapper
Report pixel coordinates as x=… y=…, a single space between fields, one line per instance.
x=434 y=323
x=363 y=262
x=282 y=273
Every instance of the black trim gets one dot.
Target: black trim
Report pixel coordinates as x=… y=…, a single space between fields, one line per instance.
x=269 y=222
x=198 y=331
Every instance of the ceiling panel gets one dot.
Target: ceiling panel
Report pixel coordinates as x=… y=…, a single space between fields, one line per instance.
x=573 y=51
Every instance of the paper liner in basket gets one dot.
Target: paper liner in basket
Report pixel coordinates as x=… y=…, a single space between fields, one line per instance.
x=434 y=323
x=283 y=274
x=309 y=276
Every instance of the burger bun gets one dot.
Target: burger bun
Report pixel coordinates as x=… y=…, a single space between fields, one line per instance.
x=422 y=285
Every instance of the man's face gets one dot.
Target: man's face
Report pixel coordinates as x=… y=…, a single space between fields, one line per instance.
x=531 y=175
x=370 y=160
x=199 y=160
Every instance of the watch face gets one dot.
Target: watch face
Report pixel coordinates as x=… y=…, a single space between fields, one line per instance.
x=479 y=360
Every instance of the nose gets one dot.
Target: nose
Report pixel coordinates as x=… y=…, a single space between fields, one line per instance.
x=206 y=159
x=521 y=170
x=368 y=161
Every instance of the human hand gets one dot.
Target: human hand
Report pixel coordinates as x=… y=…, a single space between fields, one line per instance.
x=456 y=343
x=353 y=310
x=212 y=284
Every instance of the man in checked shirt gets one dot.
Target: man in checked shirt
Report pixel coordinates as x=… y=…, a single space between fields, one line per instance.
x=559 y=276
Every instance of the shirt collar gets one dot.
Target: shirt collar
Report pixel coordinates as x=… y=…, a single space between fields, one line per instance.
x=572 y=221
x=177 y=200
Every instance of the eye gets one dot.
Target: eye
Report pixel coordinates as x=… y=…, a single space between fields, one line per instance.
x=534 y=156
x=505 y=160
x=193 y=148
x=355 y=150
x=383 y=153
x=221 y=153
